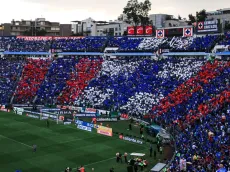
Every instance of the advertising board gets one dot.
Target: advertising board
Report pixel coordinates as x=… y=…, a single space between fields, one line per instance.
x=105 y=131
x=78 y=122
x=208 y=26
x=106 y=119
x=18 y=111
x=130 y=139
x=85 y=115
x=32 y=116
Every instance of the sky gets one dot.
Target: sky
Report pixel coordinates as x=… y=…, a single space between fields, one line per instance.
x=65 y=11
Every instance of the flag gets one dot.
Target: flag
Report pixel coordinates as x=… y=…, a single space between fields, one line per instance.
x=187 y=32
x=148 y=30
x=200 y=25
x=160 y=33
x=130 y=30
x=140 y=30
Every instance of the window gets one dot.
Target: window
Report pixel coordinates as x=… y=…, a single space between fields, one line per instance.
x=115 y=34
x=55 y=28
x=116 y=29
x=119 y=33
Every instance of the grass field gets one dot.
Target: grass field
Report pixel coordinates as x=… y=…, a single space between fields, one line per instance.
x=59 y=146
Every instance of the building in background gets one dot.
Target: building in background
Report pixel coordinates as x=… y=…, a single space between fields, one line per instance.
x=37 y=27
x=5 y=29
x=158 y=20
x=175 y=23
x=90 y=27
x=221 y=14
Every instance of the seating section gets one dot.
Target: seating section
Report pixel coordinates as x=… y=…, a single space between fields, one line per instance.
x=87 y=44
x=134 y=85
x=204 y=43
x=32 y=77
x=59 y=73
x=14 y=44
x=152 y=44
x=85 y=70
x=124 y=44
x=10 y=72
x=199 y=117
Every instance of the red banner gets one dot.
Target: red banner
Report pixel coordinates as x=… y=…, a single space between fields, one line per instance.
x=68 y=37
x=130 y=30
x=140 y=30
x=32 y=38
x=148 y=30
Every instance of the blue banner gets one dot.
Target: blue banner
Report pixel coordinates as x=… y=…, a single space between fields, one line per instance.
x=83 y=123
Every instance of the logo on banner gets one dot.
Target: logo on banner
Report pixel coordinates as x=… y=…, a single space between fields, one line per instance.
x=188 y=32
x=148 y=30
x=200 y=25
x=105 y=131
x=140 y=30
x=160 y=33
x=130 y=30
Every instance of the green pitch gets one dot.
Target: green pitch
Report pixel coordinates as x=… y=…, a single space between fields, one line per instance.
x=59 y=146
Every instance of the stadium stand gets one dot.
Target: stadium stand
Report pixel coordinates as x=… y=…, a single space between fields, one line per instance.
x=188 y=95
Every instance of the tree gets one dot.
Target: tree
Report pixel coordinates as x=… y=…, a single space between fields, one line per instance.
x=192 y=19
x=144 y=8
x=179 y=17
x=137 y=13
x=201 y=15
x=131 y=11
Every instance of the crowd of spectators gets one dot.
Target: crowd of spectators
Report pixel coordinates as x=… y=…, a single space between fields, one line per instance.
x=125 y=44
x=88 y=44
x=85 y=70
x=199 y=111
x=204 y=43
x=10 y=72
x=135 y=84
x=33 y=75
x=58 y=74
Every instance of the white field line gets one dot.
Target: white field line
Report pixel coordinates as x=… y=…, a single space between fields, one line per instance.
x=99 y=161
x=67 y=141
x=16 y=141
